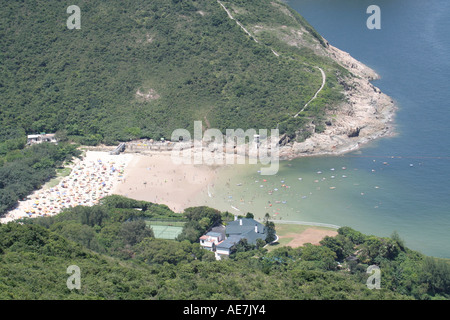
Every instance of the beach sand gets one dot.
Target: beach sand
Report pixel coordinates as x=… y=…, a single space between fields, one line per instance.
x=152 y=177
x=91 y=178
x=156 y=178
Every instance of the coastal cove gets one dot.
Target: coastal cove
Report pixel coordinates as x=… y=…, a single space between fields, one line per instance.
x=225 y=150
x=393 y=176
x=396 y=183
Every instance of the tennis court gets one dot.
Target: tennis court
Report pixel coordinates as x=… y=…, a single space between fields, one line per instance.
x=166 y=230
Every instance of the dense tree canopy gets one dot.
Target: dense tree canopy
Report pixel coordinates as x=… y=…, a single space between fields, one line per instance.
x=120 y=259
x=140 y=69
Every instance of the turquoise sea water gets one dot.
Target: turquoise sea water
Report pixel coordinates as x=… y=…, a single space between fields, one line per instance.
x=394 y=184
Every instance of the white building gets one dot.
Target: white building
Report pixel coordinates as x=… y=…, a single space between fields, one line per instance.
x=39 y=138
x=210 y=240
x=244 y=228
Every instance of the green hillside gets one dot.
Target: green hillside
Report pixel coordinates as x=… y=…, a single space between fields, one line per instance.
x=120 y=259
x=140 y=69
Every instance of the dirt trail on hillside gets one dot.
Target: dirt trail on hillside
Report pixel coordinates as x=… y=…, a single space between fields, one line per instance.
x=324 y=78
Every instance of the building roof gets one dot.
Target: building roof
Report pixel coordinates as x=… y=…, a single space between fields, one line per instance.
x=244 y=225
x=236 y=230
x=247 y=228
x=229 y=242
x=253 y=236
x=213 y=234
x=219 y=229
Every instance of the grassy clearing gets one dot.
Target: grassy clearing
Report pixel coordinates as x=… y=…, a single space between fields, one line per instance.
x=60 y=173
x=290 y=232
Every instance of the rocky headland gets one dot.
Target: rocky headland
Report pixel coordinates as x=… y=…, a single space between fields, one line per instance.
x=366 y=114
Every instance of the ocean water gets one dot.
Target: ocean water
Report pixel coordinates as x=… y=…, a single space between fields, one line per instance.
x=400 y=183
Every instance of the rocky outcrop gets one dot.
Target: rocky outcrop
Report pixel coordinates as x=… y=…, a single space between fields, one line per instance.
x=366 y=115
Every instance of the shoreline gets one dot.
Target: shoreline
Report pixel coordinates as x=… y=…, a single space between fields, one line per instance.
x=368 y=115
x=151 y=175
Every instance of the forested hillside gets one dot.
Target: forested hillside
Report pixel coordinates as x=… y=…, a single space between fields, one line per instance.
x=119 y=258
x=140 y=69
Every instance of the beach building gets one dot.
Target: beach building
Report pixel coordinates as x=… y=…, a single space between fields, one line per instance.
x=39 y=138
x=243 y=228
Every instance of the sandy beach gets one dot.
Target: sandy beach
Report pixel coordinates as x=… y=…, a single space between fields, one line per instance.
x=156 y=178
x=92 y=178
x=152 y=177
